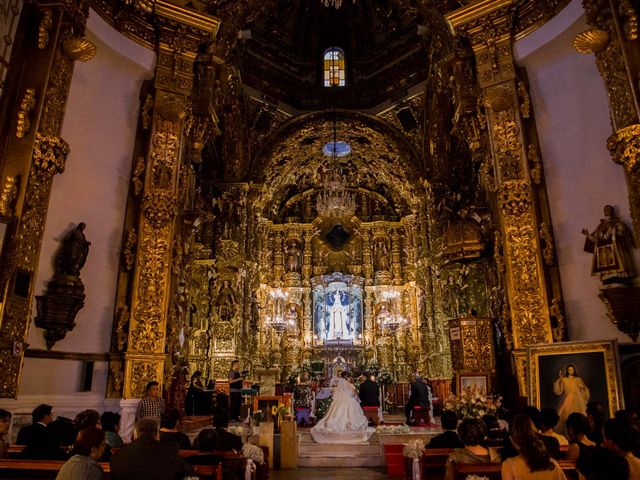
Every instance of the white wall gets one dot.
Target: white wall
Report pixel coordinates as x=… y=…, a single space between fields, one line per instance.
x=572 y=117
x=100 y=127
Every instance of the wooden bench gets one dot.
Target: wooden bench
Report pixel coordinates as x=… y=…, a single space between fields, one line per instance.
x=493 y=471
x=433 y=463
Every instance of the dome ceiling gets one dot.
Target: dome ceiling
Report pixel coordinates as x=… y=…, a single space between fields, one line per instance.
x=385 y=54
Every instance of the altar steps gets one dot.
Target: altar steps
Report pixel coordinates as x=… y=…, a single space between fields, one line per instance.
x=312 y=454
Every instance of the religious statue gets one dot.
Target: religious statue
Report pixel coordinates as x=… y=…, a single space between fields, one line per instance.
x=72 y=253
x=294 y=254
x=254 y=321
x=454 y=302
x=611 y=244
x=291 y=316
x=381 y=255
x=226 y=302
x=339 y=322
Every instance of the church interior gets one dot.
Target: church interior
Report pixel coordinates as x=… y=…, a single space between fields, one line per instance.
x=441 y=187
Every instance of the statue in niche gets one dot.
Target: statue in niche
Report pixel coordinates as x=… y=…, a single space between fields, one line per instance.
x=226 y=302
x=294 y=257
x=455 y=304
x=162 y=176
x=291 y=316
x=381 y=255
x=254 y=321
x=610 y=243
x=73 y=252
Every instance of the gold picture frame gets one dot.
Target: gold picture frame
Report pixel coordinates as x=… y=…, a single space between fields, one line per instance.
x=596 y=376
x=473 y=383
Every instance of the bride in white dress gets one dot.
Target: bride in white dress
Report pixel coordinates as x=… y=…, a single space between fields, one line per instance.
x=344 y=422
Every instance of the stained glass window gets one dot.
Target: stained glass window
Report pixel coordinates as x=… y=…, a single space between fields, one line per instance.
x=334 y=67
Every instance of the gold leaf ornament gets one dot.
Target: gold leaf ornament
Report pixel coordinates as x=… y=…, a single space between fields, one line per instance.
x=79 y=48
x=498 y=99
x=591 y=41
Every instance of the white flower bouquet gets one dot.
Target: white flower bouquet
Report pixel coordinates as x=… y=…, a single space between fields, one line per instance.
x=392 y=429
x=252 y=452
x=413 y=449
x=473 y=405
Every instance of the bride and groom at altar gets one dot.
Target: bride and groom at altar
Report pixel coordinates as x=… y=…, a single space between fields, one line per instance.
x=345 y=421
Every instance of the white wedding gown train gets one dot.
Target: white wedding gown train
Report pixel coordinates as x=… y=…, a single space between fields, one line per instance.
x=344 y=421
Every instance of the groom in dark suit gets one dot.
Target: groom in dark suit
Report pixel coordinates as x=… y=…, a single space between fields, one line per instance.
x=369 y=392
x=419 y=396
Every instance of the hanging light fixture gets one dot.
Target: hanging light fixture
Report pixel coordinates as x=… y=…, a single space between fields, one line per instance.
x=333 y=3
x=279 y=321
x=335 y=200
x=389 y=320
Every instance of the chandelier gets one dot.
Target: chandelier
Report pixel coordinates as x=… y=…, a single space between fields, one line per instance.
x=279 y=321
x=391 y=321
x=333 y=3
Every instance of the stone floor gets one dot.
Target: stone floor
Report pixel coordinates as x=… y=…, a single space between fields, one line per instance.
x=330 y=474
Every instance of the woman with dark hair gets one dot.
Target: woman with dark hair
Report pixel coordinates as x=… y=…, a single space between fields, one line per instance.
x=533 y=462
x=472 y=433
x=573 y=392
x=577 y=429
x=5 y=423
x=88 y=448
x=111 y=425
x=192 y=406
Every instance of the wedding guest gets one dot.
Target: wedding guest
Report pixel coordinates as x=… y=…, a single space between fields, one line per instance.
x=495 y=435
x=552 y=444
x=110 y=422
x=449 y=437
x=620 y=436
x=38 y=438
x=146 y=458
x=533 y=462
x=548 y=420
x=596 y=415
x=169 y=430
x=226 y=440
x=577 y=429
x=5 y=423
x=88 y=447
x=86 y=419
x=152 y=406
x=472 y=434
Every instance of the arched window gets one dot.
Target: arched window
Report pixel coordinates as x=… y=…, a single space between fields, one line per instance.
x=334 y=67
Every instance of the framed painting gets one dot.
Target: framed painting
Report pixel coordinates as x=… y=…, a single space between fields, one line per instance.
x=566 y=376
x=472 y=384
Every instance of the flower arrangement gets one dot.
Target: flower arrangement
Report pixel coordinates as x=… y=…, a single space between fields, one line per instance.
x=252 y=452
x=413 y=449
x=392 y=429
x=385 y=377
x=258 y=416
x=473 y=405
x=237 y=430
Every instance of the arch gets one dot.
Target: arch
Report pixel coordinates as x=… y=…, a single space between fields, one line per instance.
x=382 y=159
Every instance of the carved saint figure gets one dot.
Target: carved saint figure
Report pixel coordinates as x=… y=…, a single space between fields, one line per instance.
x=381 y=255
x=454 y=303
x=574 y=394
x=294 y=253
x=339 y=324
x=73 y=252
x=255 y=311
x=226 y=302
x=611 y=244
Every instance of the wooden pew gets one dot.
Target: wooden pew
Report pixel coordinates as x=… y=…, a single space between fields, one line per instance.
x=18 y=469
x=493 y=471
x=432 y=463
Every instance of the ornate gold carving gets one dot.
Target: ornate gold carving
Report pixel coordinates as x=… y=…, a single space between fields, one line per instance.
x=498 y=99
x=559 y=330
x=138 y=176
x=514 y=197
x=548 y=249
x=79 y=48
x=628 y=12
x=147 y=332
x=506 y=135
x=8 y=196
x=591 y=41
x=45 y=27
x=160 y=208
x=143 y=372
x=624 y=146
x=525 y=104
x=497 y=251
x=10 y=373
x=145 y=113
x=49 y=154
x=23 y=125
x=117 y=378
x=535 y=172
x=122 y=328
x=129 y=250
